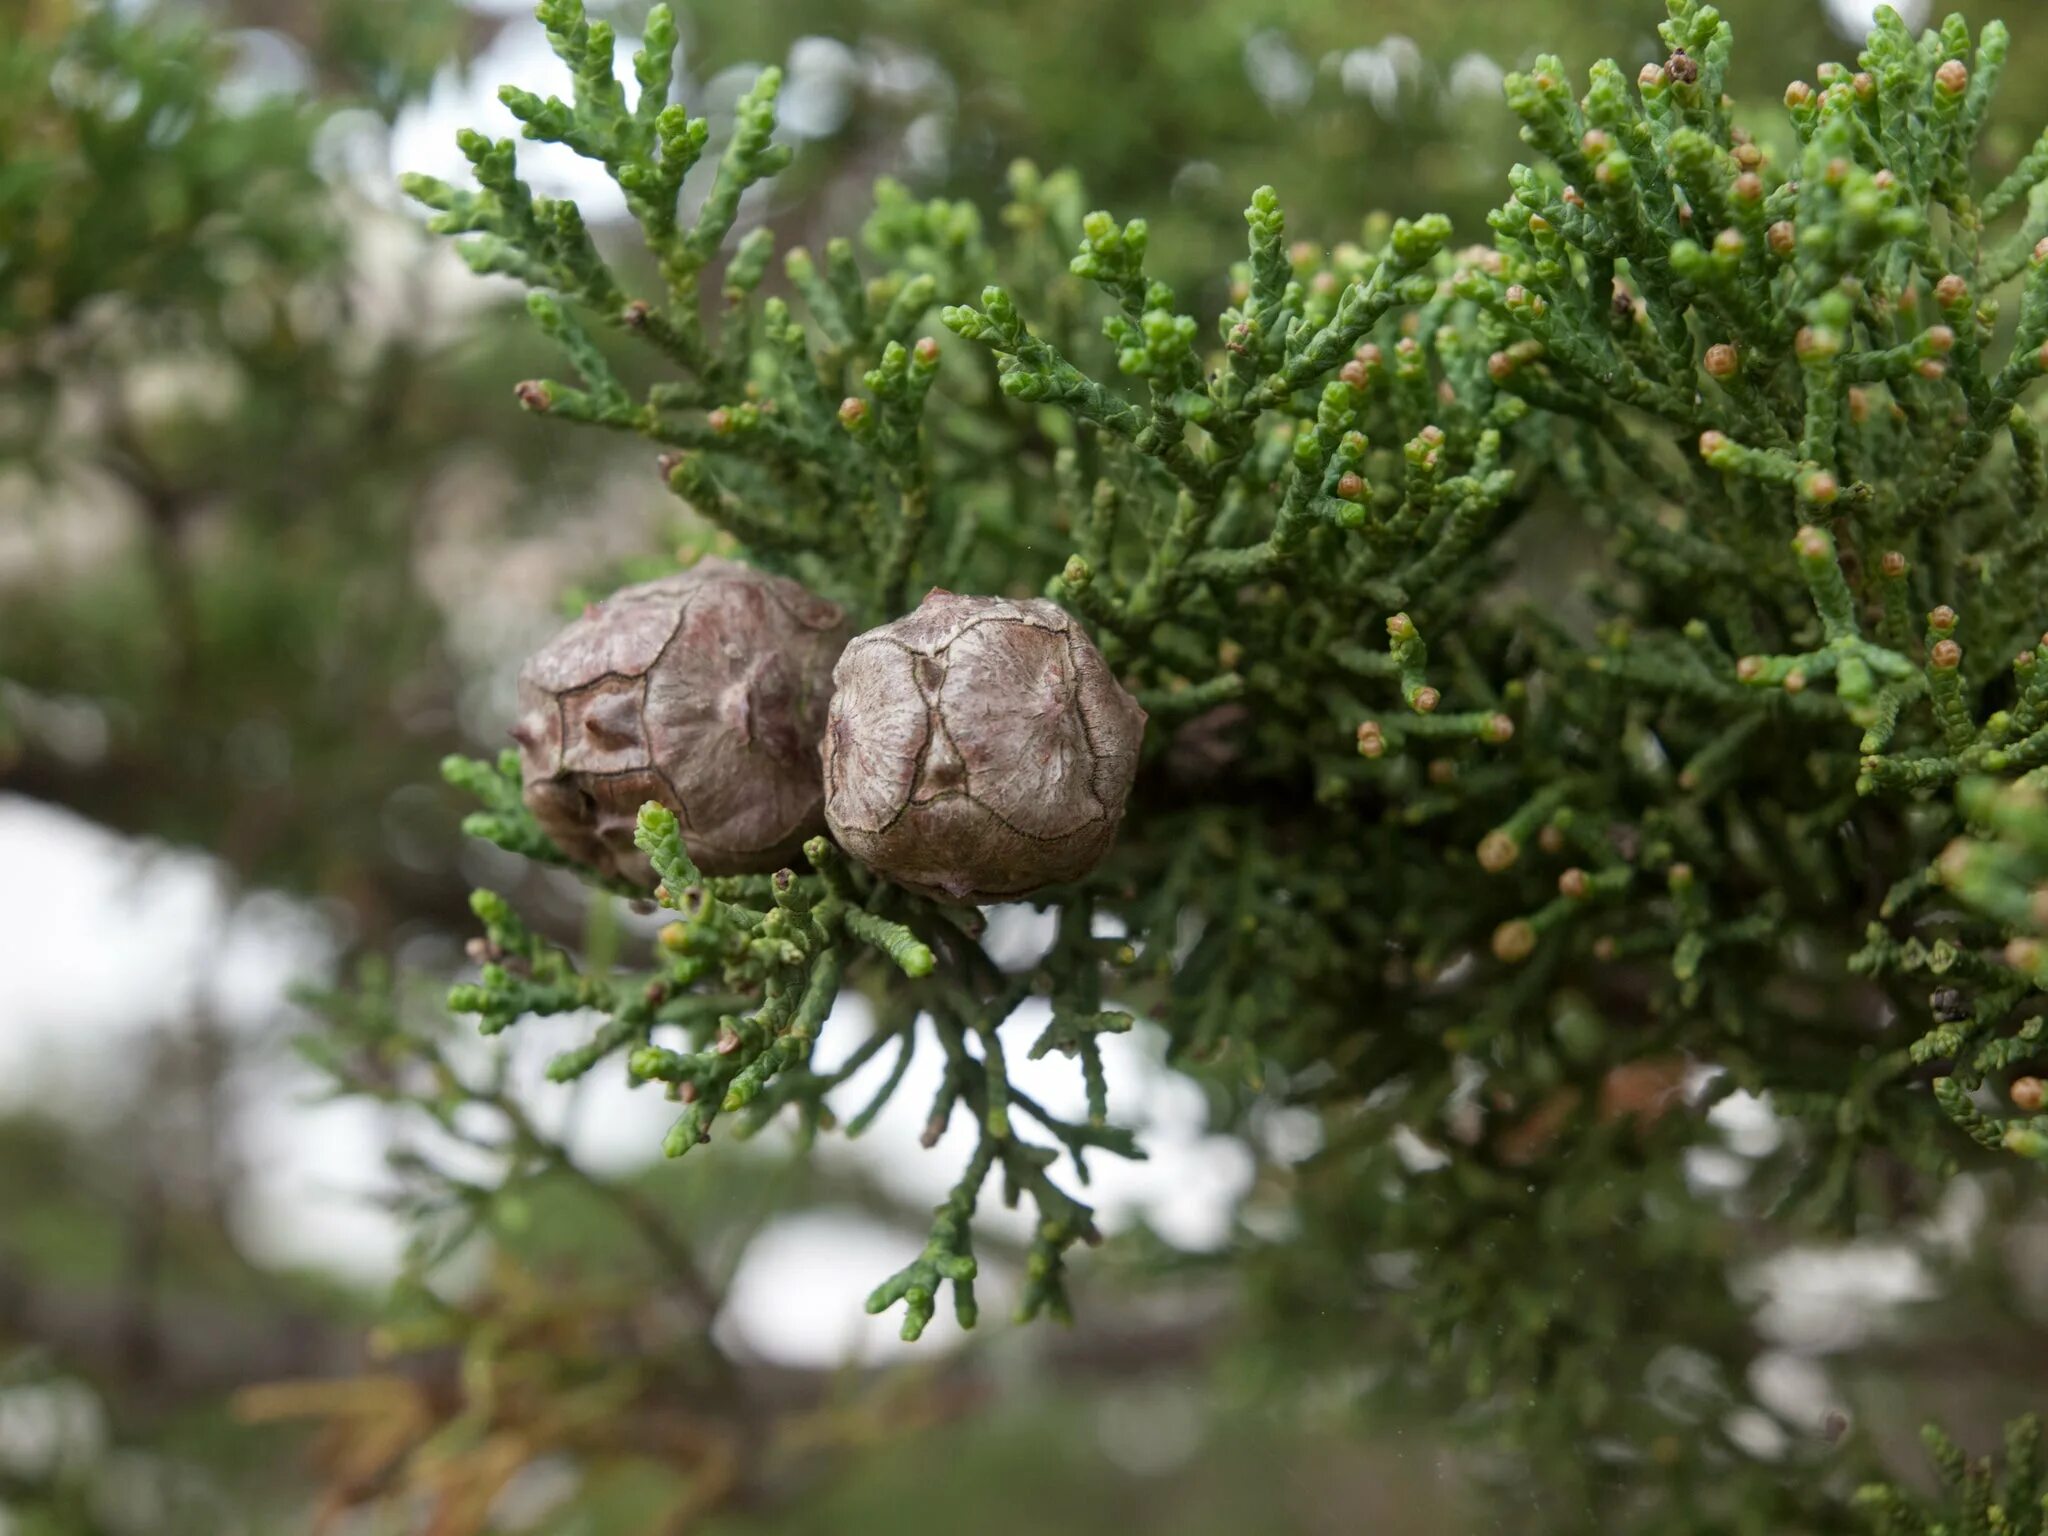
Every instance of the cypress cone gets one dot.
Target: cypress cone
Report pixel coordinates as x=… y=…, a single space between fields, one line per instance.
x=703 y=691
x=978 y=748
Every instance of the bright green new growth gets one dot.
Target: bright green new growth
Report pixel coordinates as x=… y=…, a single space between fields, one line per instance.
x=2007 y=1500
x=1450 y=858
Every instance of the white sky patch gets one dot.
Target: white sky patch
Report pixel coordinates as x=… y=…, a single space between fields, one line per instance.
x=1795 y=1388
x=1757 y=1433
x=265 y=64
x=1474 y=76
x=423 y=138
x=926 y=144
x=48 y=1428
x=1019 y=935
x=817 y=98
x=1820 y=1300
x=799 y=1296
x=1277 y=72
x=113 y=938
x=1187 y=1188
x=1852 y=18
x=316 y=1175
x=1749 y=1124
x=1380 y=72
x=611 y=1126
x=818 y=88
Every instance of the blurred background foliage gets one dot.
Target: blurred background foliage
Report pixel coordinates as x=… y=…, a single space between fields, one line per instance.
x=271 y=532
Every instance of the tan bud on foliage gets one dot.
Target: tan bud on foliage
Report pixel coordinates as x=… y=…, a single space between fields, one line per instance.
x=1514 y=941
x=979 y=748
x=705 y=691
x=1498 y=850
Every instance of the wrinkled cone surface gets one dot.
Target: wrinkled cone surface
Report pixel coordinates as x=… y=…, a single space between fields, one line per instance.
x=705 y=691
x=978 y=748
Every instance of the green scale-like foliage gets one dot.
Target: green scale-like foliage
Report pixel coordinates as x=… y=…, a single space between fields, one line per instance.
x=1976 y=1498
x=1457 y=851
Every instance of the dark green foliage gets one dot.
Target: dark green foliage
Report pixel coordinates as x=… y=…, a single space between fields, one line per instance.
x=1506 y=874
x=91 y=204
x=221 y=455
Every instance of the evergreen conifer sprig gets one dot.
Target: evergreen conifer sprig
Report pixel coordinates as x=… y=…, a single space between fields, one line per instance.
x=745 y=979
x=2007 y=1498
x=1493 y=873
